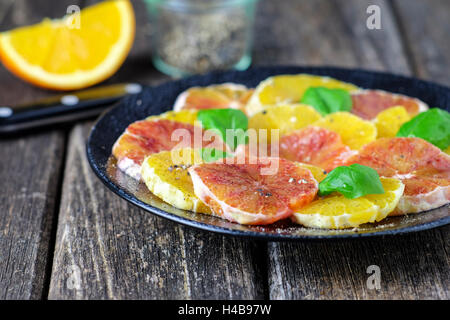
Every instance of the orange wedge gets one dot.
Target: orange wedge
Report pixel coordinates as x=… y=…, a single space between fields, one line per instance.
x=63 y=55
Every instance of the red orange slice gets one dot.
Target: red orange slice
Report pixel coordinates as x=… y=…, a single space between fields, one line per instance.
x=225 y=95
x=422 y=167
x=317 y=146
x=368 y=103
x=240 y=193
x=143 y=138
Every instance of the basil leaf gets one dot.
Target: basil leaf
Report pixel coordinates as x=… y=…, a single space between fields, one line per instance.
x=432 y=126
x=353 y=182
x=223 y=120
x=327 y=100
x=212 y=154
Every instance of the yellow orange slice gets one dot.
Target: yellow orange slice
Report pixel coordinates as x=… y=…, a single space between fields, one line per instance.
x=389 y=121
x=165 y=175
x=285 y=117
x=354 y=131
x=61 y=55
x=289 y=89
x=183 y=116
x=393 y=190
x=317 y=172
x=337 y=212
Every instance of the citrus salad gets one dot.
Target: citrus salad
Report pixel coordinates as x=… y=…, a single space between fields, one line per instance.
x=318 y=151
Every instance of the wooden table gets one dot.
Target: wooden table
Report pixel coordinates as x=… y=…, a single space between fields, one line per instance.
x=63 y=235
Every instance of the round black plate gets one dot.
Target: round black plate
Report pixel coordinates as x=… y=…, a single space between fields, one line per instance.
x=155 y=100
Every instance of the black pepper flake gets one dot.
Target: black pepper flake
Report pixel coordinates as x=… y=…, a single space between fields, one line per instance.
x=264 y=112
x=262 y=193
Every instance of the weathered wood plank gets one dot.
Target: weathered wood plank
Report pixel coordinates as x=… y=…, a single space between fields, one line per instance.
x=321 y=32
x=109 y=249
x=426 y=27
x=30 y=171
x=413 y=266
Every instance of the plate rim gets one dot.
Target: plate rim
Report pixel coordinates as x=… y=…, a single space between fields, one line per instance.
x=253 y=234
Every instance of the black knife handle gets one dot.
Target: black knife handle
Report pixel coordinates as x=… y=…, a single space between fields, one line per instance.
x=63 y=108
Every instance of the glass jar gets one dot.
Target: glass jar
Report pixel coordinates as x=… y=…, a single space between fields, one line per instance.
x=197 y=36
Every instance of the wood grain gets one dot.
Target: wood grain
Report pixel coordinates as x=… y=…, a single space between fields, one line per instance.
x=426 y=26
x=30 y=170
x=320 y=32
x=413 y=266
x=109 y=249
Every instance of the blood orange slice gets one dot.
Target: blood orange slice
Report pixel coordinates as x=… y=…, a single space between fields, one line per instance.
x=225 y=95
x=240 y=193
x=143 y=138
x=368 y=103
x=422 y=167
x=317 y=146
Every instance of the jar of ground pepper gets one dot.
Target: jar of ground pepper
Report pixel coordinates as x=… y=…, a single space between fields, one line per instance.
x=197 y=36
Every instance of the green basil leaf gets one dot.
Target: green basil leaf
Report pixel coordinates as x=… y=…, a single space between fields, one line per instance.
x=432 y=126
x=223 y=121
x=327 y=100
x=352 y=181
x=212 y=154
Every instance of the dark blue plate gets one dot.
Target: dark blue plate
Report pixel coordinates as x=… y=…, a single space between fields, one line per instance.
x=155 y=100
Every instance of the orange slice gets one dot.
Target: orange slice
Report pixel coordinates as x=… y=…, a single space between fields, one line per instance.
x=389 y=121
x=314 y=145
x=354 y=131
x=188 y=116
x=285 y=117
x=337 y=212
x=165 y=175
x=289 y=89
x=60 y=55
x=217 y=96
x=242 y=193
x=367 y=104
x=422 y=167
